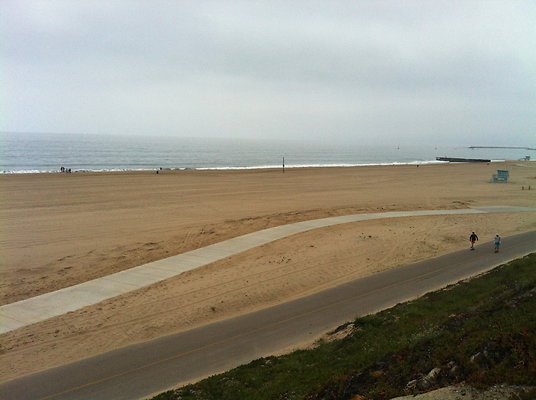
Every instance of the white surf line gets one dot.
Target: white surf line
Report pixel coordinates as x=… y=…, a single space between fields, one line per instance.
x=48 y=305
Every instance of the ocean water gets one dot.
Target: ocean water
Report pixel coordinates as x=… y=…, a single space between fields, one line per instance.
x=42 y=153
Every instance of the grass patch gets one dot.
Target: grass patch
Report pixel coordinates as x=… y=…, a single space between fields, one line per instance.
x=480 y=332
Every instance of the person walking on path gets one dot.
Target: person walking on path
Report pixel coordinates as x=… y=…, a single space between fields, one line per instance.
x=497 y=242
x=473 y=238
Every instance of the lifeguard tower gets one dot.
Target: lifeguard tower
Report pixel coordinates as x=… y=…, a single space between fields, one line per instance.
x=501 y=176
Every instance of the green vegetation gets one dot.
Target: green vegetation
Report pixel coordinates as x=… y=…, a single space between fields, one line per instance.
x=480 y=332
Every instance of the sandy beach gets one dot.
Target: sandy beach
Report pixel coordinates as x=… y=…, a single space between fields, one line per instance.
x=62 y=229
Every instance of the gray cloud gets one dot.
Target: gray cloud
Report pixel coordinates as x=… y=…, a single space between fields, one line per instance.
x=422 y=70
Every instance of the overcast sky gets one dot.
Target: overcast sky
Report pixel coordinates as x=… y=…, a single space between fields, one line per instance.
x=453 y=72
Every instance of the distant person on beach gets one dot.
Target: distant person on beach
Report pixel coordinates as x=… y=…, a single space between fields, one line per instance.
x=497 y=241
x=473 y=238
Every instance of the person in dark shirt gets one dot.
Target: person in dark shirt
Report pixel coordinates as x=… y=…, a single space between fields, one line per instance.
x=473 y=238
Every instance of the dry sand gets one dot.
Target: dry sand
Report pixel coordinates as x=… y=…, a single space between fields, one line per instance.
x=63 y=229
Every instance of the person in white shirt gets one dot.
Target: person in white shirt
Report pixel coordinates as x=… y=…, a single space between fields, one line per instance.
x=497 y=242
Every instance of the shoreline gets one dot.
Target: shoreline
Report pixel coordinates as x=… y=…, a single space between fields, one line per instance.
x=249 y=168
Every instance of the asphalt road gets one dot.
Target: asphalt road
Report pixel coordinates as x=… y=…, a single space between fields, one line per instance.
x=138 y=371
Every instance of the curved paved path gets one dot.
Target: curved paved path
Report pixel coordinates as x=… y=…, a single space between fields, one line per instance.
x=39 y=308
x=134 y=372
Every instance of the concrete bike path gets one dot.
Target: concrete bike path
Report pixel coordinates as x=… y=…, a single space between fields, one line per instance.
x=137 y=371
x=48 y=305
